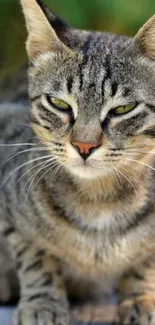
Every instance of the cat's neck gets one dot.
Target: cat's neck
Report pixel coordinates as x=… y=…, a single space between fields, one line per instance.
x=109 y=188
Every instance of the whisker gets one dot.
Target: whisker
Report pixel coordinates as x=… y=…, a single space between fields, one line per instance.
x=17 y=144
x=51 y=141
x=56 y=171
x=132 y=147
x=137 y=170
x=27 y=150
x=51 y=166
x=43 y=138
x=19 y=167
x=117 y=177
x=28 y=125
x=141 y=163
x=126 y=179
x=138 y=151
x=32 y=178
x=30 y=170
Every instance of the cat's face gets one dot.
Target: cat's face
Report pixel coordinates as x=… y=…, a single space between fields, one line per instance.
x=92 y=98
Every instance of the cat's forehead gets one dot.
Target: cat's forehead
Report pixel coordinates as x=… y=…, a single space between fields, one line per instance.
x=101 y=66
x=97 y=55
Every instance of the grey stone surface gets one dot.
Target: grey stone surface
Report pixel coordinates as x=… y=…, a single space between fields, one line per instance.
x=5 y=316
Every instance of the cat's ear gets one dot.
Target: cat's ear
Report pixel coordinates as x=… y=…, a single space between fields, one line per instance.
x=41 y=36
x=58 y=24
x=146 y=38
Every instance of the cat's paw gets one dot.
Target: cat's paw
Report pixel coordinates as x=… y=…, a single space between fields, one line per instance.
x=40 y=315
x=140 y=311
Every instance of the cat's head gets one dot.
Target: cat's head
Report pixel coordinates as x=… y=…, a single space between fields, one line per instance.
x=92 y=94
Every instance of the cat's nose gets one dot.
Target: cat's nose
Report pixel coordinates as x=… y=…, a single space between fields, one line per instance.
x=85 y=149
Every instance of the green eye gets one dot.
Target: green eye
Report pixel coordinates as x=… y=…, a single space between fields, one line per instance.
x=58 y=103
x=123 y=109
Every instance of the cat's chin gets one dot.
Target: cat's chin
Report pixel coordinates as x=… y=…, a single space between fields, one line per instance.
x=90 y=169
x=87 y=172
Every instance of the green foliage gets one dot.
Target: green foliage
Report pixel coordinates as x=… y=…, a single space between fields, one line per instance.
x=119 y=16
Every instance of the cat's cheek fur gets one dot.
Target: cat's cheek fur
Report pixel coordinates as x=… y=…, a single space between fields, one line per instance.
x=43 y=134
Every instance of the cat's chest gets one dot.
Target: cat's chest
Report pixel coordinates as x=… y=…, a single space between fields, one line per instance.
x=86 y=213
x=90 y=216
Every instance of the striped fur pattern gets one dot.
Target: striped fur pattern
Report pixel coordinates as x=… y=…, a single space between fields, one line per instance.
x=73 y=220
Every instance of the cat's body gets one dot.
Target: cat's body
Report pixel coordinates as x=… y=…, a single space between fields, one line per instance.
x=87 y=265
x=77 y=190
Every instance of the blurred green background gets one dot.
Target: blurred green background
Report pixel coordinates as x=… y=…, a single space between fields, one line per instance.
x=119 y=16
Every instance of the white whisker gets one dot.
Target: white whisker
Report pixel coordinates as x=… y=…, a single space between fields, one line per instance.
x=26 y=150
x=137 y=170
x=19 y=167
x=56 y=171
x=30 y=170
x=17 y=144
x=117 y=177
x=51 y=166
x=32 y=178
x=27 y=125
x=140 y=152
x=126 y=179
x=141 y=163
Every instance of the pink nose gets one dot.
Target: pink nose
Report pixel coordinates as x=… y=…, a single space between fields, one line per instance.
x=85 y=149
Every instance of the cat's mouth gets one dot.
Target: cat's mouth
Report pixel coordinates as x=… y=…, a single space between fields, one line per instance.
x=94 y=166
x=89 y=169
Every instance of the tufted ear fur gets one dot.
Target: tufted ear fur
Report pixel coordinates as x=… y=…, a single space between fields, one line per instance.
x=41 y=36
x=146 y=38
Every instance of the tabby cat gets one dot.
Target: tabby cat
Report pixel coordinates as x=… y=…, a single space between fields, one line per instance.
x=77 y=188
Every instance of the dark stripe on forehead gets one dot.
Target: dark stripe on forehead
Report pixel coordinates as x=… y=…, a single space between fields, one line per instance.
x=85 y=50
x=114 y=88
x=107 y=75
x=81 y=76
x=86 y=46
x=107 y=66
x=70 y=84
x=92 y=85
x=126 y=92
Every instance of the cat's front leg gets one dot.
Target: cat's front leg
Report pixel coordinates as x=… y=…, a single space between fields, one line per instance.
x=137 y=296
x=43 y=298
